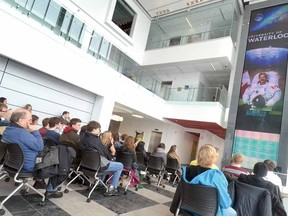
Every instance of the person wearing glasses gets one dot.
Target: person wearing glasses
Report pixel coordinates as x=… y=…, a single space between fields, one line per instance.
x=3 y=111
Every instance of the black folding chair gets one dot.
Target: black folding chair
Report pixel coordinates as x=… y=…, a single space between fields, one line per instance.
x=156 y=166
x=172 y=167
x=198 y=199
x=126 y=159
x=3 y=149
x=89 y=166
x=13 y=164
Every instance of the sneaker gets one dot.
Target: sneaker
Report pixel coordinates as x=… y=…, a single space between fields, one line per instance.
x=112 y=192
x=53 y=194
x=40 y=184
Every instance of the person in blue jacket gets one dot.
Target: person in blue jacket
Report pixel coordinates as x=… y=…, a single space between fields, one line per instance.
x=204 y=175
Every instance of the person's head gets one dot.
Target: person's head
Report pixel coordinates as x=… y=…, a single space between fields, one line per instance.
x=161 y=145
x=65 y=114
x=206 y=156
x=237 y=158
x=123 y=136
x=172 y=149
x=260 y=169
x=3 y=100
x=129 y=142
x=3 y=109
x=54 y=122
x=270 y=164
x=45 y=122
x=7 y=116
x=21 y=117
x=94 y=127
x=28 y=107
x=116 y=137
x=35 y=119
x=140 y=146
x=107 y=138
x=83 y=129
x=262 y=78
x=75 y=123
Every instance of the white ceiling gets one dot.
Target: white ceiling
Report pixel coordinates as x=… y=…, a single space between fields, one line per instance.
x=216 y=75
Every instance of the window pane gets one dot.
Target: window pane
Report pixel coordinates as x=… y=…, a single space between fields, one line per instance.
x=66 y=22
x=76 y=29
x=39 y=8
x=95 y=42
x=104 y=50
x=52 y=13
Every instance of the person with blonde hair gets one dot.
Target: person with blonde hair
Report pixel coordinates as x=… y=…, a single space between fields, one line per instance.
x=214 y=166
x=204 y=174
x=107 y=140
x=235 y=169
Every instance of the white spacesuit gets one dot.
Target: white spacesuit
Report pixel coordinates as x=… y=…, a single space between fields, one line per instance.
x=270 y=92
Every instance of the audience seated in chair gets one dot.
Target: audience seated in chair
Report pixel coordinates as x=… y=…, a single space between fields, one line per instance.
x=28 y=137
x=45 y=126
x=214 y=166
x=160 y=152
x=172 y=154
x=91 y=141
x=54 y=124
x=271 y=176
x=260 y=170
x=233 y=170
x=204 y=175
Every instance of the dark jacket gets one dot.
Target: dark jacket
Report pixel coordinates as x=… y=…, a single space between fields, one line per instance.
x=92 y=142
x=248 y=200
x=125 y=149
x=70 y=135
x=277 y=203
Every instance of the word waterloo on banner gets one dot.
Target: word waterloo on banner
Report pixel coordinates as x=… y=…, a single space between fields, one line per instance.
x=259 y=116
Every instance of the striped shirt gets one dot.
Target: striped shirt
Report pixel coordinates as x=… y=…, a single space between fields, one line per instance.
x=234 y=170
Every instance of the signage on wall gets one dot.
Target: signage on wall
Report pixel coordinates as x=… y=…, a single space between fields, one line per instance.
x=259 y=116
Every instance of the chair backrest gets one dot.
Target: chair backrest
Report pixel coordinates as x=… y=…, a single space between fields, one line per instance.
x=90 y=160
x=155 y=163
x=250 y=200
x=140 y=158
x=14 y=159
x=3 y=149
x=125 y=158
x=199 y=199
x=49 y=142
x=172 y=164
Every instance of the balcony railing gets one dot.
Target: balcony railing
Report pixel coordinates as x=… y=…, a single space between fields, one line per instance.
x=62 y=22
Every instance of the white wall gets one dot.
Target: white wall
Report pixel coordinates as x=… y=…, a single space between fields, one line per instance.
x=100 y=17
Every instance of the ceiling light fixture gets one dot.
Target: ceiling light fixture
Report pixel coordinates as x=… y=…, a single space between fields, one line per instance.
x=137 y=116
x=162 y=12
x=117 y=118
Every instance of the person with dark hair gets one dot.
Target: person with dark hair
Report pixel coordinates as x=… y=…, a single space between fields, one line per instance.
x=260 y=170
x=3 y=111
x=116 y=140
x=3 y=100
x=70 y=133
x=54 y=124
x=140 y=148
x=35 y=119
x=160 y=152
x=83 y=130
x=271 y=176
x=91 y=141
x=45 y=126
x=28 y=107
x=27 y=136
x=66 y=117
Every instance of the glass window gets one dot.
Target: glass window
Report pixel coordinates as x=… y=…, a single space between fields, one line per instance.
x=66 y=22
x=52 y=13
x=39 y=8
x=95 y=43
x=123 y=16
x=76 y=29
x=25 y=3
x=105 y=48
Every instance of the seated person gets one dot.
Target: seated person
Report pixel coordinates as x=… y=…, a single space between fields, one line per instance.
x=27 y=136
x=172 y=154
x=3 y=111
x=107 y=140
x=204 y=174
x=54 y=124
x=214 y=166
x=140 y=148
x=271 y=176
x=91 y=141
x=129 y=147
x=260 y=170
x=45 y=126
x=160 y=152
x=234 y=169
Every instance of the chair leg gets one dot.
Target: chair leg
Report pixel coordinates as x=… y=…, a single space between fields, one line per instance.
x=91 y=191
x=10 y=195
x=34 y=189
x=72 y=180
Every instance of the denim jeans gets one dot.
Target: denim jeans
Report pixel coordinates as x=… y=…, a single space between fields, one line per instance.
x=116 y=168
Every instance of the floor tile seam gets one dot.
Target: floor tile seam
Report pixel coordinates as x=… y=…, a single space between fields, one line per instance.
x=31 y=204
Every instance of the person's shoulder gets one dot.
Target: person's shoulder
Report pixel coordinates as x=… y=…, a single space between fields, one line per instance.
x=193 y=163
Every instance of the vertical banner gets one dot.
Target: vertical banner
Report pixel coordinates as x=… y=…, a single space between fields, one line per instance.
x=259 y=116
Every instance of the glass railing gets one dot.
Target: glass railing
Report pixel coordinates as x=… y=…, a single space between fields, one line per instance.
x=192 y=38
x=64 y=23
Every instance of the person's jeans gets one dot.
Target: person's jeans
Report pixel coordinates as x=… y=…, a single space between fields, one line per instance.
x=116 y=168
